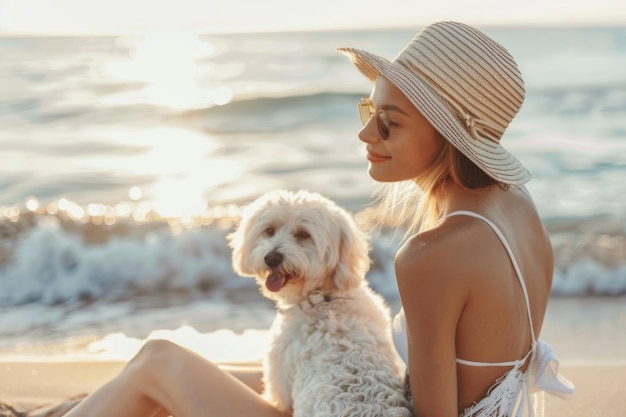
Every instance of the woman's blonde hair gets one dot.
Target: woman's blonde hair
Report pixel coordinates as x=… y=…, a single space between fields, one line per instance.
x=417 y=204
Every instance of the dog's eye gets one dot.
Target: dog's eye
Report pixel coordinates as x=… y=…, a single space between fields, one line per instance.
x=302 y=235
x=270 y=231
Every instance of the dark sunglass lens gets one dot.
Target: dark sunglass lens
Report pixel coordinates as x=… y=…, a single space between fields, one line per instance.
x=383 y=124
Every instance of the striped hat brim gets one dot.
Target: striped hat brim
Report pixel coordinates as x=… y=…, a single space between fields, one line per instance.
x=488 y=155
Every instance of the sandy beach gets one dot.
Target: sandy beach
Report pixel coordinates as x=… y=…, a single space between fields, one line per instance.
x=600 y=389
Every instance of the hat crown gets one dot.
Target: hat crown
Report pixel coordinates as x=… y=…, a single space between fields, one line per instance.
x=474 y=74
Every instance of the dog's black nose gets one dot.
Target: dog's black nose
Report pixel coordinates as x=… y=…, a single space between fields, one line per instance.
x=273 y=259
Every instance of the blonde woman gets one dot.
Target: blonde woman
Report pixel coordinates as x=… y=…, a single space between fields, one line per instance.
x=475 y=277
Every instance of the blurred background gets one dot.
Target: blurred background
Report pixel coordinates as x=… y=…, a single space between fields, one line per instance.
x=133 y=132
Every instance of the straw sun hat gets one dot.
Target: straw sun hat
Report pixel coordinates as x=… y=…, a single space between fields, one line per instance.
x=466 y=85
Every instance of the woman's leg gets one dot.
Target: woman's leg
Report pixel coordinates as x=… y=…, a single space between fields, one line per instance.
x=62 y=409
x=165 y=377
x=250 y=374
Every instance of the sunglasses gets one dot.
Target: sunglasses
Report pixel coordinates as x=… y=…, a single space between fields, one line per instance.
x=383 y=123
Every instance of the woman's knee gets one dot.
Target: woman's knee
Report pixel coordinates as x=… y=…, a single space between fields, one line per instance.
x=157 y=350
x=155 y=353
x=160 y=358
x=161 y=367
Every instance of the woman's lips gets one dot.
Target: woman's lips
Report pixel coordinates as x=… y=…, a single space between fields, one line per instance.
x=374 y=157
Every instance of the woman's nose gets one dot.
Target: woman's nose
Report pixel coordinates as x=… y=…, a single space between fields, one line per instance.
x=369 y=133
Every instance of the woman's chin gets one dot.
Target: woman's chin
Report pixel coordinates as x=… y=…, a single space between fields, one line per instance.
x=375 y=173
x=380 y=175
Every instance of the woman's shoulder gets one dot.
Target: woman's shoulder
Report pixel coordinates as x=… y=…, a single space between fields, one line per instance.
x=465 y=250
x=452 y=236
x=444 y=254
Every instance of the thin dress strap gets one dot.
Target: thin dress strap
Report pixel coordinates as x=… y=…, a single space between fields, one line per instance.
x=521 y=281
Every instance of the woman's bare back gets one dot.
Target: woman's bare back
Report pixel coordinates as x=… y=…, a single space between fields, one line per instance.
x=494 y=325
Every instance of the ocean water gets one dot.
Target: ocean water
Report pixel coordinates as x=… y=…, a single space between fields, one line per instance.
x=125 y=162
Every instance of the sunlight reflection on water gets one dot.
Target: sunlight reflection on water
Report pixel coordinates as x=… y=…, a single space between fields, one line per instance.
x=167 y=64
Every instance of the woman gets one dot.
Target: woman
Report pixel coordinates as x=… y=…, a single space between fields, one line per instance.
x=433 y=120
x=475 y=279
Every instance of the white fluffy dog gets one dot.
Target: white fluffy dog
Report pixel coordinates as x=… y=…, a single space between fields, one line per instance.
x=331 y=353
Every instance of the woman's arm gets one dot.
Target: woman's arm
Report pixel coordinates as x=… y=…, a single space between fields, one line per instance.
x=433 y=297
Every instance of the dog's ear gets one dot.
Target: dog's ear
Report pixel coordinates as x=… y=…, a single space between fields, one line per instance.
x=354 y=260
x=237 y=242
x=243 y=240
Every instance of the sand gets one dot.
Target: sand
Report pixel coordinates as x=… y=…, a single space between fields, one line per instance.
x=600 y=389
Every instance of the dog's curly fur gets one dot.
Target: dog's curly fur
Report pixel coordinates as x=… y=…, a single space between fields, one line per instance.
x=331 y=352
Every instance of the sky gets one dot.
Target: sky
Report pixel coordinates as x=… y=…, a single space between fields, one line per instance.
x=37 y=17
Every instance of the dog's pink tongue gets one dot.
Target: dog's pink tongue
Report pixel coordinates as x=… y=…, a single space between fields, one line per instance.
x=275 y=281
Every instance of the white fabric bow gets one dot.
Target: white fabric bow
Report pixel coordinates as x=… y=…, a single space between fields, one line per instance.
x=544 y=374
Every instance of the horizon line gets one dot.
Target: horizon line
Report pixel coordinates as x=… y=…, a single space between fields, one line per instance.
x=236 y=31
